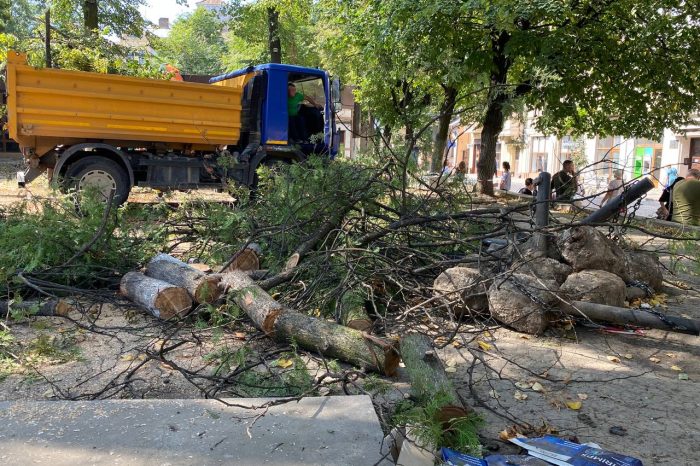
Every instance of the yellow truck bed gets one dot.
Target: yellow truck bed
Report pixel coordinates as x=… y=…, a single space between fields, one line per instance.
x=47 y=107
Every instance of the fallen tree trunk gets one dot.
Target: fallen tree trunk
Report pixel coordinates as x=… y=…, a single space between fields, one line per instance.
x=203 y=288
x=428 y=377
x=352 y=312
x=328 y=338
x=160 y=298
x=638 y=317
x=49 y=308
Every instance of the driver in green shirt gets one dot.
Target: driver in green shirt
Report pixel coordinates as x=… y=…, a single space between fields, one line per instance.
x=297 y=125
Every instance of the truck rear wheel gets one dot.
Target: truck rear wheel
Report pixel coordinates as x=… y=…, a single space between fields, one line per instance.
x=101 y=174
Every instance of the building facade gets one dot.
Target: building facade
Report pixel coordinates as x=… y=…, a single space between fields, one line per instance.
x=597 y=158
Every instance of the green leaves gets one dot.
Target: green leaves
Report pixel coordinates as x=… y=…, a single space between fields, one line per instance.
x=195 y=44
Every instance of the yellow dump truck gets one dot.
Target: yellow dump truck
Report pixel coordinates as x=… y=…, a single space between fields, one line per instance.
x=115 y=132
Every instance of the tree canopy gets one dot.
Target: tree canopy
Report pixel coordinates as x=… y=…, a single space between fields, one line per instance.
x=195 y=43
x=594 y=66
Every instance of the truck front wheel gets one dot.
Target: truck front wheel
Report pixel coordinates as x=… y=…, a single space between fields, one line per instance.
x=101 y=174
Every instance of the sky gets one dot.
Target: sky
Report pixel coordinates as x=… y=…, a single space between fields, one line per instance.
x=165 y=9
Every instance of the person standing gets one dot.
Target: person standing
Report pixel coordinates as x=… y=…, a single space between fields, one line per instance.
x=665 y=211
x=615 y=187
x=529 y=188
x=686 y=199
x=505 y=177
x=461 y=171
x=564 y=182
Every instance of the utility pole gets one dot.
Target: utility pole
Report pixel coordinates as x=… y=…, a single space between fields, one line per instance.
x=273 y=23
x=47 y=39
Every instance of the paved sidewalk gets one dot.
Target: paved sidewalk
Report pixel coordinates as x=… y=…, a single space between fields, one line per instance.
x=338 y=430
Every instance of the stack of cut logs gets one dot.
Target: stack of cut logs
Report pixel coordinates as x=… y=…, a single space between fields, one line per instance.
x=170 y=288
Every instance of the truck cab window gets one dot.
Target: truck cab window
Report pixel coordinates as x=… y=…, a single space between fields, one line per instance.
x=306 y=108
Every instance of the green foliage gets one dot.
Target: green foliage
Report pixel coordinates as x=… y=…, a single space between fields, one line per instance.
x=423 y=419
x=39 y=237
x=52 y=349
x=686 y=255
x=247 y=36
x=195 y=43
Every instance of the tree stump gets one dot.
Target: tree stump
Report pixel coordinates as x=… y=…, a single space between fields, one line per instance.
x=160 y=298
x=203 y=288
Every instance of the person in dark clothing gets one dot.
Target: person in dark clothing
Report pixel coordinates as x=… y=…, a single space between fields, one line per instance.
x=529 y=188
x=665 y=212
x=564 y=182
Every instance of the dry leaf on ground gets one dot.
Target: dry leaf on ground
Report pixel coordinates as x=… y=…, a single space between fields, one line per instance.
x=574 y=405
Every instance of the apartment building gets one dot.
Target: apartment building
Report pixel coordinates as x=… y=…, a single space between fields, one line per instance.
x=529 y=152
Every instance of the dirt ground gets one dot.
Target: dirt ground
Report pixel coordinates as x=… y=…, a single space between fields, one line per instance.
x=638 y=394
x=643 y=386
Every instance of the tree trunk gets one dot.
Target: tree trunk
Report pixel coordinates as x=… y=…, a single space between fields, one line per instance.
x=90 y=15
x=327 y=338
x=352 y=312
x=273 y=24
x=203 y=288
x=160 y=298
x=624 y=316
x=446 y=112
x=425 y=369
x=50 y=308
x=492 y=125
x=490 y=130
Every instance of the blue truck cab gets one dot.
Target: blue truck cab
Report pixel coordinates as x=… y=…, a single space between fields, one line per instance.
x=269 y=134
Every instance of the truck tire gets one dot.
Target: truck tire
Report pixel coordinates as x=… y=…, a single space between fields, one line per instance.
x=101 y=172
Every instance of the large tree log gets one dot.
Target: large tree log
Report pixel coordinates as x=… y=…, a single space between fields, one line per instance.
x=203 y=288
x=160 y=298
x=49 y=308
x=638 y=317
x=428 y=378
x=327 y=338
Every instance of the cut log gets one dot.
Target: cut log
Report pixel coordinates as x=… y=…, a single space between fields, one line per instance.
x=328 y=338
x=48 y=308
x=352 y=312
x=427 y=374
x=160 y=298
x=260 y=307
x=247 y=259
x=638 y=317
x=203 y=288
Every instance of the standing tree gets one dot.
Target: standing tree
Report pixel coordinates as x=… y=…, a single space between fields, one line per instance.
x=273 y=27
x=195 y=44
x=624 y=67
x=289 y=33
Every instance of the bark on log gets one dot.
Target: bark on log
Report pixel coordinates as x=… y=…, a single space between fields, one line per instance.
x=428 y=377
x=49 y=308
x=327 y=338
x=352 y=312
x=203 y=288
x=160 y=298
x=638 y=317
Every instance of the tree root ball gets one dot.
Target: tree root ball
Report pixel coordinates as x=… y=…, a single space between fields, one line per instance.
x=595 y=286
x=465 y=284
x=511 y=304
x=585 y=248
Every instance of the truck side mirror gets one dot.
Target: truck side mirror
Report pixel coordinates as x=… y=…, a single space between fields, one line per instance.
x=335 y=91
